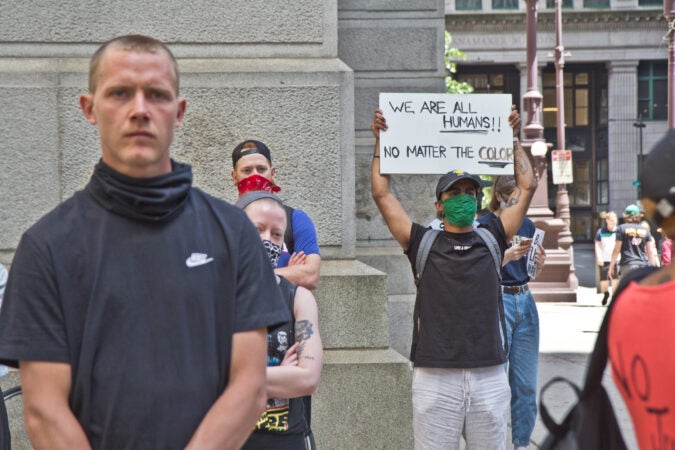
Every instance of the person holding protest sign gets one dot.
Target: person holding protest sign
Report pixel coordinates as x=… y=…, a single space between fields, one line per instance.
x=300 y=260
x=522 y=318
x=459 y=383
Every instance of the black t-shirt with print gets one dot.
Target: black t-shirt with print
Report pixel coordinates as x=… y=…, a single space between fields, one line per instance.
x=458 y=295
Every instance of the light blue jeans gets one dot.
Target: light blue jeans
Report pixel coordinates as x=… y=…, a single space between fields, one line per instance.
x=522 y=331
x=451 y=403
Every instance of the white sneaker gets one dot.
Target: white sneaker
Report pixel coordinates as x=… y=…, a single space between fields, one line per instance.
x=520 y=447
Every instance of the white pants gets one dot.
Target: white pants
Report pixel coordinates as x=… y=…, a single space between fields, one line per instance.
x=450 y=403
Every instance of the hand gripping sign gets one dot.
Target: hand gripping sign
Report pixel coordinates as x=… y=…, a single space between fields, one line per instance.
x=436 y=133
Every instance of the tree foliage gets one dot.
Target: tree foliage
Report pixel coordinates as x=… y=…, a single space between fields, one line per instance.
x=453 y=54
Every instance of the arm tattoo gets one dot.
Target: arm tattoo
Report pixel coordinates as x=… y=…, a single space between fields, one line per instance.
x=521 y=162
x=303 y=331
x=514 y=198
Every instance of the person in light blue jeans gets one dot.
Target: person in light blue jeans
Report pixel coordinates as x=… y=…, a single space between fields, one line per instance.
x=522 y=319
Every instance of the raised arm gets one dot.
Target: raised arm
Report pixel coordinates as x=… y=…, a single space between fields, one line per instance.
x=526 y=183
x=50 y=422
x=232 y=417
x=392 y=211
x=301 y=378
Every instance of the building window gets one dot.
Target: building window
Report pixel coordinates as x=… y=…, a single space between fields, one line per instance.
x=468 y=5
x=596 y=3
x=550 y=4
x=650 y=3
x=653 y=90
x=576 y=98
x=504 y=4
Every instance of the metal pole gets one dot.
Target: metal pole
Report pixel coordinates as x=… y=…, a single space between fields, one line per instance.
x=562 y=198
x=532 y=99
x=640 y=125
x=669 y=14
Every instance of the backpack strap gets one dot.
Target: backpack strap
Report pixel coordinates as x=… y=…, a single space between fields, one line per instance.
x=496 y=253
x=420 y=263
x=288 y=235
x=423 y=253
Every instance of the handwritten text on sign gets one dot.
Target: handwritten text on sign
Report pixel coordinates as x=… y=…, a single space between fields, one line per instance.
x=436 y=133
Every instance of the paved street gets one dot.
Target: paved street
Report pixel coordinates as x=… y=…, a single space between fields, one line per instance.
x=568 y=333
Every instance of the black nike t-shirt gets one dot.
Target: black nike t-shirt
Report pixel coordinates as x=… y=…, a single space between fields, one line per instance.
x=143 y=312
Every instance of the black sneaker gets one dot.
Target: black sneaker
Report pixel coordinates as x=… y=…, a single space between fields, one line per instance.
x=605 y=298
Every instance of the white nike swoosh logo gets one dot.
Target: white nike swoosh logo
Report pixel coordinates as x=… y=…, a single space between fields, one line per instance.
x=197 y=259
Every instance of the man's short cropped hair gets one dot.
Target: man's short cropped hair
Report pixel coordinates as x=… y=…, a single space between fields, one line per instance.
x=132 y=43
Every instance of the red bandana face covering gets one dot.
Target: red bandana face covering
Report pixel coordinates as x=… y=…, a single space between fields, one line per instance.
x=257 y=183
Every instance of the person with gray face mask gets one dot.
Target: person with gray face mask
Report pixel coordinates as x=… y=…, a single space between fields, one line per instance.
x=295 y=352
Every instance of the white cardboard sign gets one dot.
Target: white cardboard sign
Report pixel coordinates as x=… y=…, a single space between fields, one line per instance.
x=436 y=133
x=537 y=240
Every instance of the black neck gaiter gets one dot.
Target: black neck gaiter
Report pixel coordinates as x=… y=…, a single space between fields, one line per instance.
x=153 y=199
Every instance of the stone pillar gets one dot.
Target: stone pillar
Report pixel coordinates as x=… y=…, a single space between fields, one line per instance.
x=622 y=82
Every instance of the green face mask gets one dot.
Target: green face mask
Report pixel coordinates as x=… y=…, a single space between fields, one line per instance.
x=460 y=210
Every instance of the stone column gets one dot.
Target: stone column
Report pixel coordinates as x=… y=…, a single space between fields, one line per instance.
x=623 y=140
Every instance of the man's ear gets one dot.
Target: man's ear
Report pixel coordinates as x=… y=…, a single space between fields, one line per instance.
x=87 y=107
x=234 y=178
x=182 y=104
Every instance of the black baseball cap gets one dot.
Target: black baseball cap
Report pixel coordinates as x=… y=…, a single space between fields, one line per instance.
x=239 y=151
x=657 y=177
x=454 y=176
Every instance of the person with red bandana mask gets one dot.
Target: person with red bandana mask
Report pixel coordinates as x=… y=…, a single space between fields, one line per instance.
x=300 y=259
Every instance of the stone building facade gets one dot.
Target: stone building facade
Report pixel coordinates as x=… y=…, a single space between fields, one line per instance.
x=615 y=81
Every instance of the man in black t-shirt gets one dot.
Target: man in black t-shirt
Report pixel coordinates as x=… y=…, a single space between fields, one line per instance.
x=634 y=243
x=459 y=383
x=137 y=309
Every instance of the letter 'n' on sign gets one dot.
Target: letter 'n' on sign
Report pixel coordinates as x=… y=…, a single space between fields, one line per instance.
x=436 y=133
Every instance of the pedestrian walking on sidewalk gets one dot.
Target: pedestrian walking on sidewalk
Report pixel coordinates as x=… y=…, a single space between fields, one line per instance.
x=605 y=240
x=634 y=243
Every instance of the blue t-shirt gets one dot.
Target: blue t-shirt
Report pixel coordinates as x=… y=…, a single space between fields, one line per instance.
x=515 y=272
x=304 y=237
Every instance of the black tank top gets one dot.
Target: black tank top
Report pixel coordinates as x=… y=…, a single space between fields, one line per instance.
x=281 y=416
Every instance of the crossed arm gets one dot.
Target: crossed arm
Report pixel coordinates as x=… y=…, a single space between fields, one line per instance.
x=300 y=371
x=302 y=270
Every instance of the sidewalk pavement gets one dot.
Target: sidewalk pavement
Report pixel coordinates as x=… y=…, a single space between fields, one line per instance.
x=567 y=337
